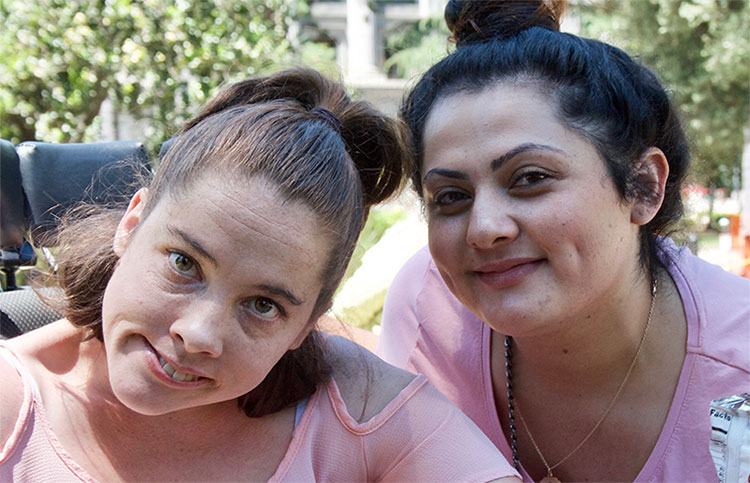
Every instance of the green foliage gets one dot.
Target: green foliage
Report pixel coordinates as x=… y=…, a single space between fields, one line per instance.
x=319 y=56
x=368 y=313
x=701 y=49
x=379 y=221
x=157 y=59
x=413 y=48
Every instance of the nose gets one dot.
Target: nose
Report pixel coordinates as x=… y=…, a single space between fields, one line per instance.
x=200 y=328
x=490 y=221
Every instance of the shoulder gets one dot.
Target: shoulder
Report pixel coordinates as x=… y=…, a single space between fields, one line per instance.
x=13 y=394
x=413 y=275
x=718 y=304
x=411 y=431
x=420 y=288
x=365 y=382
x=418 y=301
x=32 y=362
x=47 y=353
x=425 y=328
x=409 y=281
x=708 y=277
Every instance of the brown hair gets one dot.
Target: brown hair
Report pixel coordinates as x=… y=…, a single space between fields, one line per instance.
x=295 y=128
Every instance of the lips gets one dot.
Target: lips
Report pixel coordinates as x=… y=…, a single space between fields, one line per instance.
x=507 y=272
x=168 y=370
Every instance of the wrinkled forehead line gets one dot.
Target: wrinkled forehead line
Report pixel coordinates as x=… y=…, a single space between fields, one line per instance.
x=221 y=179
x=234 y=181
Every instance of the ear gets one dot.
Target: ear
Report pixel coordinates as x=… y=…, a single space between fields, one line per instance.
x=129 y=221
x=651 y=175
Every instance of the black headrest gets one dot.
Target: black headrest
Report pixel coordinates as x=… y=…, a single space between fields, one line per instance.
x=12 y=216
x=56 y=177
x=165 y=146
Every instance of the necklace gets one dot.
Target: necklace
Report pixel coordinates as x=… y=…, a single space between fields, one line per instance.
x=513 y=406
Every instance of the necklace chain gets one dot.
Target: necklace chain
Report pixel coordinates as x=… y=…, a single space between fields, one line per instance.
x=513 y=405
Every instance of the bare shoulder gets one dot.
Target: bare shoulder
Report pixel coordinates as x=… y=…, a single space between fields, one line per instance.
x=367 y=383
x=48 y=347
x=11 y=399
x=44 y=353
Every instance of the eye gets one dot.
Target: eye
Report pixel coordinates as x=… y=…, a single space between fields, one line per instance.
x=183 y=264
x=529 y=178
x=264 y=308
x=449 y=198
x=449 y=201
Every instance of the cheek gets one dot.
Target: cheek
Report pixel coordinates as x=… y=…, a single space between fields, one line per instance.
x=445 y=237
x=447 y=241
x=133 y=294
x=586 y=234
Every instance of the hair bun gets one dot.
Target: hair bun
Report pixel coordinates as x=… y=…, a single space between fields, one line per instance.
x=472 y=21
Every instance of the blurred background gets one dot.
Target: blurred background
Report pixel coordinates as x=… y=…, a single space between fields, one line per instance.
x=101 y=70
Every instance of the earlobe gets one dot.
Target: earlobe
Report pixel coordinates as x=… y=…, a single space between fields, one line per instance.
x=129 y=221
x=651 y=176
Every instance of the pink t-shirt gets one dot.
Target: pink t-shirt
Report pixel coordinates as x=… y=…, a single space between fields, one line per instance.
x=418 y=436
x=427 y=330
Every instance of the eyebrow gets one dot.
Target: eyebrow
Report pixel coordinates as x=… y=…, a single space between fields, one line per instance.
x=192 y=242
x=281 y=292
x=445 y=173
x=496 y=163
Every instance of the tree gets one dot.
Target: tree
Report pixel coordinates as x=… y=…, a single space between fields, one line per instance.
x=411 y=49
x=701 y=49
x=157 y=59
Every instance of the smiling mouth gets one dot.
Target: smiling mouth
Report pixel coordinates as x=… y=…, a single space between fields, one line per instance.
x=508 y=273
x=175 y=374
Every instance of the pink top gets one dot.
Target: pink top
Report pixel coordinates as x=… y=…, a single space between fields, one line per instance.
x=418 y=436
x=427 y=330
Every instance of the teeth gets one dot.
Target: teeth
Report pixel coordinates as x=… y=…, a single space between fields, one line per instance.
x=174 y=373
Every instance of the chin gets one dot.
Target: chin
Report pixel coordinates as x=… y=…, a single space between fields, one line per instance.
x=510 y=319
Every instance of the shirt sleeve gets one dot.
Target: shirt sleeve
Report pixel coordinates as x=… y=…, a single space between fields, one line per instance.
x=429 y=439
x=400 y=324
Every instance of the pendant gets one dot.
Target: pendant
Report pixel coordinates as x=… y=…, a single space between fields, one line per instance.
x=549 y=479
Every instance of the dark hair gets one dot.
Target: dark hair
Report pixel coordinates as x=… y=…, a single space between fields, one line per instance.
x=294 y=128
x=599 y=91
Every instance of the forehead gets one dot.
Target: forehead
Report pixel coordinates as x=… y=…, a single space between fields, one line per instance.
x=499 y=106
x=482 y=125
x=247 y=223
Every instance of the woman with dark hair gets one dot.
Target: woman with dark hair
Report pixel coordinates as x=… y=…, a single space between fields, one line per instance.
x=550 y=307
x=188 y=349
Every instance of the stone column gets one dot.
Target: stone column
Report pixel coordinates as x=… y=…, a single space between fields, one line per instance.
x=362 y=41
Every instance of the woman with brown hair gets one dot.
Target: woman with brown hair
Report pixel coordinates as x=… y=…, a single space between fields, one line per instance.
x=550 y=307
x=188 y=349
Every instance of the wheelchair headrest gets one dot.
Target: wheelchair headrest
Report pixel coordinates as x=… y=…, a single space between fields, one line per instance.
x=12 y=213
x=165 y=146
x=56 y=177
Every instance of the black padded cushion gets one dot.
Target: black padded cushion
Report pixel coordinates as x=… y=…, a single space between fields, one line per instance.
x=23 y=310
x=12 y=217
x=165 y=146
x=56 y=177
